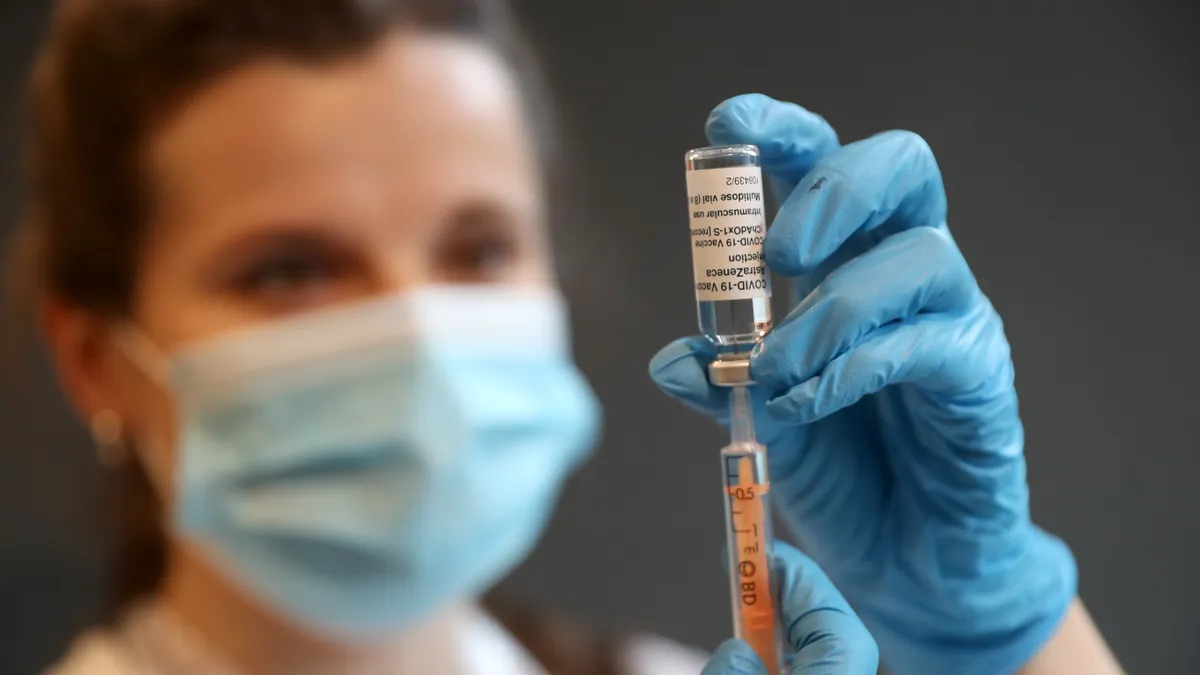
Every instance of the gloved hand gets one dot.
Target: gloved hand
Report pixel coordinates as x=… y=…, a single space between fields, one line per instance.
x=886 y=402
x=824 y=634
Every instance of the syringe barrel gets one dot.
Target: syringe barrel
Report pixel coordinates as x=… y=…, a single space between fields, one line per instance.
x=749 y=538
x=728 y=227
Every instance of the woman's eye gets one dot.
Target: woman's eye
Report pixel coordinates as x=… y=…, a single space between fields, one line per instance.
x=289 y=276
x=481 y=244
x=481 y=258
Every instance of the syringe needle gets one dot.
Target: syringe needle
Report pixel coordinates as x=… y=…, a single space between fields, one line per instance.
x=741 y=424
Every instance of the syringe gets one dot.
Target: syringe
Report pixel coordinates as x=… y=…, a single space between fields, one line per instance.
x=748 y=534
x=733 y=299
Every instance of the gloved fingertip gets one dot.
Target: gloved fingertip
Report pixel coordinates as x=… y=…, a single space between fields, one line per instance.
x=791 y=138
x=772 y=365
x=734 y=657
x=733 y=121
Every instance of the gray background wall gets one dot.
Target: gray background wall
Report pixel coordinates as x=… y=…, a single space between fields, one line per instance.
x=1067 y=130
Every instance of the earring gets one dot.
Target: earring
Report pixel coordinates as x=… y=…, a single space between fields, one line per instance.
x=110 y=443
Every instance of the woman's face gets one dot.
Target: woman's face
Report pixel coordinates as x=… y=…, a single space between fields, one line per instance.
x=287 y=188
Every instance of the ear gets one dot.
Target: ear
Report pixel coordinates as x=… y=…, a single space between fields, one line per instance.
x=91 y=370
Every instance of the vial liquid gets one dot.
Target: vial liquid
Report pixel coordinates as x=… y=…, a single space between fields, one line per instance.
x=728 y=228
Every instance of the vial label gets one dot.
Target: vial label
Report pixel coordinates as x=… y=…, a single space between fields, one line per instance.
x=728 y=229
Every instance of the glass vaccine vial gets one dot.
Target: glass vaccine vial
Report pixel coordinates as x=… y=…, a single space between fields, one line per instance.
x=728 y=227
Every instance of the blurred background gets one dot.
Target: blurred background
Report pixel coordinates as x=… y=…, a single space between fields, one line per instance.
x=1067 y=133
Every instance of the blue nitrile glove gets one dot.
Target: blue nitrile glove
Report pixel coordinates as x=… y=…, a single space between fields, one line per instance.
x=823 y=633
x=886 y=402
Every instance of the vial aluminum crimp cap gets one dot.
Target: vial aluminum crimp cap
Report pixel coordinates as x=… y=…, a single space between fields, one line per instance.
x=730 y=372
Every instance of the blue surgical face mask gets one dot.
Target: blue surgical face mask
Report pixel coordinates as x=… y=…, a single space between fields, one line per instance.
x=359 y=467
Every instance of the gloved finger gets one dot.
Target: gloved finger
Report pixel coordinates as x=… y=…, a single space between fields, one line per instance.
x=890 y=182
x=824 y=632
x=917 y=271
x=681 y=371
x=735 y=657
x=940 y=352
x=971 y=469
x=791 y=139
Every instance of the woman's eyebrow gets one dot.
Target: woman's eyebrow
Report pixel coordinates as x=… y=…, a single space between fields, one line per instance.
x=283 y=235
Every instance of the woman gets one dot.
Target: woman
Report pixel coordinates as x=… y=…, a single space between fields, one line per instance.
x=291 y=262
x=294 y=270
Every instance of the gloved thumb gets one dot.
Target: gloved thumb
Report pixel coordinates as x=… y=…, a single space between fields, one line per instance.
x=681 y=371
x=822 y=630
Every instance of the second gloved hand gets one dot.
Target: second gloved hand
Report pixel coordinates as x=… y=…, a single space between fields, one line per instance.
x=823 y=634
x=886 y=402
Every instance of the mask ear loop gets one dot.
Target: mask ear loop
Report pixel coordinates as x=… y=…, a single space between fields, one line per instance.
x=150 y=361
x=107 y=427
x=143 y=354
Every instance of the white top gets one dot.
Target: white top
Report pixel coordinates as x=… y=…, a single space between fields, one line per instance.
x=150 y=644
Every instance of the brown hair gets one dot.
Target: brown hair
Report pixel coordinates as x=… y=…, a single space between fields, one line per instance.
x=112 y=72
